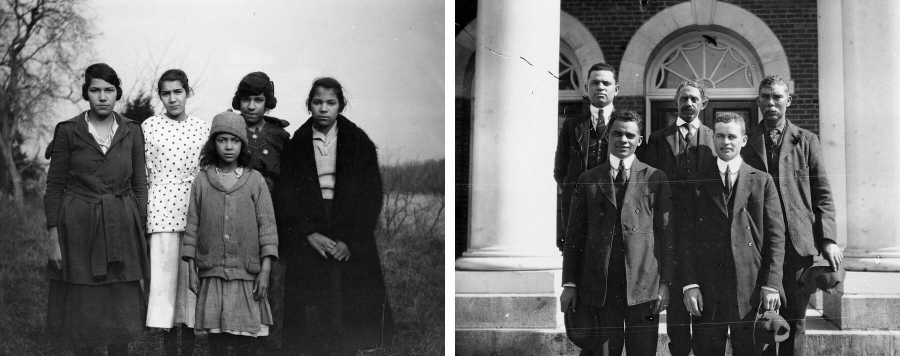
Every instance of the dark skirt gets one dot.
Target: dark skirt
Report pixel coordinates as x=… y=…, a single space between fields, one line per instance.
x=95 y=315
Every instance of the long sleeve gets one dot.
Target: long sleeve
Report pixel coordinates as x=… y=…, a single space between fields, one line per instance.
x=139 y=171
x=265 y=220
x=822 y=202
x=561 y=162
x=576 y=234
x=189 y=241
x=774 y=240
x=56 y=176
x=663 y=227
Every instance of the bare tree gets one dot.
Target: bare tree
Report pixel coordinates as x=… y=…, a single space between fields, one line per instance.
x=42 y=42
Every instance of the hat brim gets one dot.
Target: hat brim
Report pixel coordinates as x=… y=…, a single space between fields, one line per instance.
x=582 y=327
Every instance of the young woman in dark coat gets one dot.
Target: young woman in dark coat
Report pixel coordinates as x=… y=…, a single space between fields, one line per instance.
x=96 y=204
x=327 y=202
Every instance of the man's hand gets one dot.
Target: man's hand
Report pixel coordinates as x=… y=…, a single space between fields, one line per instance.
x=693 y=301
x=770 y=300
x=833 y=254
x=662 y=298
x=568 y=297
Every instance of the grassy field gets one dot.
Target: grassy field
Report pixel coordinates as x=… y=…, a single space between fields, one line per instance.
x=412 y=256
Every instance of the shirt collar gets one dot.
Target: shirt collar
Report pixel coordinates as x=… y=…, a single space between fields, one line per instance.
x=735 y=164
x=695 y=123
x=595 y=113
x=326 y=137
x=779 y=125
x=93 y=131
x=237 y=171
x=614 y=161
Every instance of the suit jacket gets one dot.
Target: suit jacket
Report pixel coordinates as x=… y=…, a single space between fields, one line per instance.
x=647 y=235
x=659 y=152
x=753 y=231
x=572 y=158
x=803 y=185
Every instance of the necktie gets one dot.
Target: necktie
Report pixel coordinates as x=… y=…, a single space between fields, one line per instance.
x=690 y=132
x=619 y=183
x=728 y=182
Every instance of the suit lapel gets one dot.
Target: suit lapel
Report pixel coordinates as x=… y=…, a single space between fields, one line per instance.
x=605 y=182
x=585 y=139
x=120 y=132
x=638 y=176
x=712 y=184
x=306 y=150
x=671 y=137
x=757 y=141
x=742 y=187
x=787 y=145
x=706 y=139
x=81 y=130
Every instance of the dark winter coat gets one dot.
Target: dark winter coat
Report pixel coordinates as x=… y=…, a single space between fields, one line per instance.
x=300 y=211
x=265 y=148
x=98 y=203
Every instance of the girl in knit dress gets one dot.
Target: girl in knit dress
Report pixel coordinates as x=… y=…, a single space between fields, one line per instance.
x=172 y=144
x=230 y=241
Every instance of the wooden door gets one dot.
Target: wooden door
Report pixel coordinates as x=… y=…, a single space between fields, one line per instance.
x=664 y=113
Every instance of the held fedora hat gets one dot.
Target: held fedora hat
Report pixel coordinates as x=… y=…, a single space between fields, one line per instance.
x=821 y=276
x=582 y=327
x=769 y=329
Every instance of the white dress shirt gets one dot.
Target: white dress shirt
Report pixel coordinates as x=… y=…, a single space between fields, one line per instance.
x=595 y=114
x=695 y=124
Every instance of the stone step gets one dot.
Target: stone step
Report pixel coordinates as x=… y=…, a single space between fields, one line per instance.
x=823 y=339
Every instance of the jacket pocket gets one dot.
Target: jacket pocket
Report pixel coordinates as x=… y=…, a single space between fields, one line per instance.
x=253 y=265
x=203 y=262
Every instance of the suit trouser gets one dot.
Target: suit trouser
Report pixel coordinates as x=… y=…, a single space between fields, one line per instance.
x=711 y=331
x=641 y=326
x=678 y=323
x=794 y=311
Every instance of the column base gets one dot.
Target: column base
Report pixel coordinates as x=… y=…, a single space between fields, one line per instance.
x=865 y=301
x=482 y=260
x=508 y=299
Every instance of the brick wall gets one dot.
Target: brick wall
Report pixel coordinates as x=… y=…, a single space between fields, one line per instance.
x=614 y=22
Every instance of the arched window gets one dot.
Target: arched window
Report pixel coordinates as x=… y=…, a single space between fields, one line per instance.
x=570 y=76
x=721 y=63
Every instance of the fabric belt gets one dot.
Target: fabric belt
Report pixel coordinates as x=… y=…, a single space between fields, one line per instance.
x=109 y=227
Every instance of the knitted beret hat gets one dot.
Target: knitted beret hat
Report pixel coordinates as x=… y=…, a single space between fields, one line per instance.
x=229 y=122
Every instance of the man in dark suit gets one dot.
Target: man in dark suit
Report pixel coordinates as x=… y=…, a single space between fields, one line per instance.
x=681 y=150
x=732 y=262
x=793 y=158
x=582 y=143
x=619 y=252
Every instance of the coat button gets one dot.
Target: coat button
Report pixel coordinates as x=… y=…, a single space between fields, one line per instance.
x=227 y=236
x=265 y=152
x=227 y=217
x=748 y=228
x=750 y=244
x=634 y=229
x=637 y=211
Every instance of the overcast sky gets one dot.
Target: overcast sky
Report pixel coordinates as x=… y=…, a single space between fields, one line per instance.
x=389 y=55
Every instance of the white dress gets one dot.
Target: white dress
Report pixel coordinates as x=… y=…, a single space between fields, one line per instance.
x=172 y=150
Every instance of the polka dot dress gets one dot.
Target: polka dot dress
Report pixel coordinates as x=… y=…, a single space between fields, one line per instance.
x=172 y=150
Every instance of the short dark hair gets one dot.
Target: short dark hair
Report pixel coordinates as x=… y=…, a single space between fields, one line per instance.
x=174 y=75
x=208 y=155
x=103 y=72
x=255 y=83
x=627 y=116
x=695 y=84
x=771 y=81
x=727 y=117
x=327 y=83
x=603 y=66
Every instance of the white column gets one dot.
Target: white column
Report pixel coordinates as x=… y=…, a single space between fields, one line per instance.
x=513 y=201
x=871 y=37
x=870 y=295
x=831 y=108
